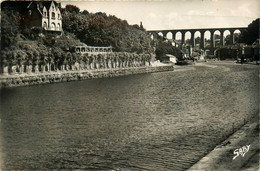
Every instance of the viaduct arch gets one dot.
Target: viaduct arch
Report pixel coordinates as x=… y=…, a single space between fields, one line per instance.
x=202 y=38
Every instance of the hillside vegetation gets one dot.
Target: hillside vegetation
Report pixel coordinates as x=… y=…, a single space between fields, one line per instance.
x=22 y=45
x=100 y=29
x=95 y=29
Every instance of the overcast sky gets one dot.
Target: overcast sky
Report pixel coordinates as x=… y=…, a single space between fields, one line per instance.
x=178 y=14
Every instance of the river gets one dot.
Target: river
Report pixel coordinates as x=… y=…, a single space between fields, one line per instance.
x=157 y=121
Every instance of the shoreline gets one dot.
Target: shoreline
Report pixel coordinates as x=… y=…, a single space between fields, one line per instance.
x=25 y=79
x=17 y=80
x=224 y=157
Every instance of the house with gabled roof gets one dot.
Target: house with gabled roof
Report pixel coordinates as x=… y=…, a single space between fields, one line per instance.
x=45 y=14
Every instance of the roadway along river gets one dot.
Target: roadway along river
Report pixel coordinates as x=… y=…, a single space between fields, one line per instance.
x=158 y=121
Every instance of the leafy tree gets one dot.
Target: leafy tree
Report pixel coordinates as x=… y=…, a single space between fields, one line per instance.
x=10 y=21
x=5 y=55
x=69 y=58
x=21 y=57
x=250 y=35
x=167 y=48
x=228 y=38
x=197 y=40
x=43 y=53
x=71 y=9
x=85 y=12
x=58 y=56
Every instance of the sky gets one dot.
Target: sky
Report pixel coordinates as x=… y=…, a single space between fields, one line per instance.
x=177 y=14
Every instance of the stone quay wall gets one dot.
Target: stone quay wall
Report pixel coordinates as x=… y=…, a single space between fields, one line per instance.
x=66 y=76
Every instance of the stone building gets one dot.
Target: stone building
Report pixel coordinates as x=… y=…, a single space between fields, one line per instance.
x=45 y=14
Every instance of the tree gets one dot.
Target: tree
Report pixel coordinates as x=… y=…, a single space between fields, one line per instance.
x=58 y=57
x=85 y=12
x=5 y=55
x=21 y=57
x=167 y=48
x=250 y=35
x=10 y=21
x=197 y=40
x=71 y=9
x=228 y=38
x=43 y=52
x=13 y=57
x=69 y=58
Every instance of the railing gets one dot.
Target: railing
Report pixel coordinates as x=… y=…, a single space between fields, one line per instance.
x=94 y=53
x=93 y=50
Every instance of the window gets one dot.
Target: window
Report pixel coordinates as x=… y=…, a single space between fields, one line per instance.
x=53 y=15
x=45 y=25
x=58 y=26
x=53 y=25
x=58 y=16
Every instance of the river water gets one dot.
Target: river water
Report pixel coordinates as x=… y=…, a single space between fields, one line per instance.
x=158 y=121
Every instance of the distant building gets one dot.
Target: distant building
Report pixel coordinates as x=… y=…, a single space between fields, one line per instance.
x=83 y=48
x=45 y=14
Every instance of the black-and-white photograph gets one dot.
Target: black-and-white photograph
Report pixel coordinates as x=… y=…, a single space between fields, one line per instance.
x=129 y=85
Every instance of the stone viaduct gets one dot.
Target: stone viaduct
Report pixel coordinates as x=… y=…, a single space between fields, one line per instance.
x=202 y=31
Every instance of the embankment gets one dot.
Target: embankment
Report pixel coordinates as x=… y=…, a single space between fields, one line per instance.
x=239 y=152
x=55 y=77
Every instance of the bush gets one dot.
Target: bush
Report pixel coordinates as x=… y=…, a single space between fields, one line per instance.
x=182 y=63
x=164 y=48
x=224 y=53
